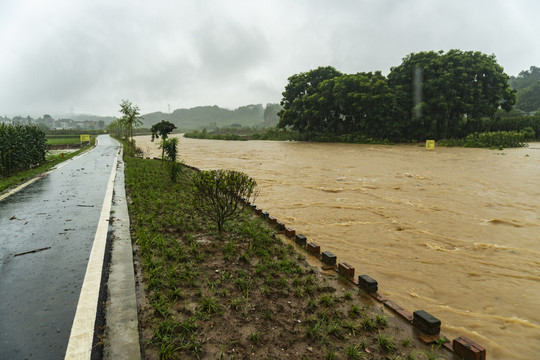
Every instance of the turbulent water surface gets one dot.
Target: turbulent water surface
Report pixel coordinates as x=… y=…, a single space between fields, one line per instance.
x=455 y=231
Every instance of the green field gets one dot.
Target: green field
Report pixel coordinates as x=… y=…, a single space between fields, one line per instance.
x=63 y=139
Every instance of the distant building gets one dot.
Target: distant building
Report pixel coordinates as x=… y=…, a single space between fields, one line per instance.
x=65 y=124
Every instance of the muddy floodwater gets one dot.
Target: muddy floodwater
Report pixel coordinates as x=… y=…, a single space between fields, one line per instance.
x=454 y=232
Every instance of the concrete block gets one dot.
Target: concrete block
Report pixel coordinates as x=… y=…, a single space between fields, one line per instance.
x=328 y=258
x=405 y=314
x=300 y=239
x=346 y=270
x=426 y=318
x=314 y=249
x=265 y=215
x=290 y=233
x=368 y=284
x=468 y=349
x=258 y=211
x=426 y=322
x=272 y=220
x=280 y=226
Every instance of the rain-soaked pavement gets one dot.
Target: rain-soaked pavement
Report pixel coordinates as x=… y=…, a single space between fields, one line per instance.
x=57 y=216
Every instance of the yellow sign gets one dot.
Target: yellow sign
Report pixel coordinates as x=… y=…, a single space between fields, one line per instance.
x=430 y=144
x=85 y=138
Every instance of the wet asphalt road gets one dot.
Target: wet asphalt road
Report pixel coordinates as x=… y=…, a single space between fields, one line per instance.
x=39 y=291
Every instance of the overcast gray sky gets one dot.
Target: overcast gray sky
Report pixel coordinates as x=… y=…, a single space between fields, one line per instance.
x=85 y=56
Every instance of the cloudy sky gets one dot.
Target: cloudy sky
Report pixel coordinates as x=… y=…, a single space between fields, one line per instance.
x=85 y=56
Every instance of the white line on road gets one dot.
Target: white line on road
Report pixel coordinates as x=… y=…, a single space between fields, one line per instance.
x=82 y=331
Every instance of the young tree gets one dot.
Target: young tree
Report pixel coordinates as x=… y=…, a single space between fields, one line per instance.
x=162 y=129
x=220 y=194
x=170 y=148
x=131 y=119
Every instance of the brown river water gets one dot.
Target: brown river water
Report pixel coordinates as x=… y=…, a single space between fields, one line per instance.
x=454 y=232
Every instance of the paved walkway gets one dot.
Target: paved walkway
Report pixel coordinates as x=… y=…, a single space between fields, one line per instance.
x=47 y=233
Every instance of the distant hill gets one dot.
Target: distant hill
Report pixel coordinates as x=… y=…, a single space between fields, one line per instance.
x=214 y=116
x=82 y=117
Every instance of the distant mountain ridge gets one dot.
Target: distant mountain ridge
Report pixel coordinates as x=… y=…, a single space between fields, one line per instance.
x=214 y=116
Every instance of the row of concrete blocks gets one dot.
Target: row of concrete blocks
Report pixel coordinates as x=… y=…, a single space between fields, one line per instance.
x=420 y=319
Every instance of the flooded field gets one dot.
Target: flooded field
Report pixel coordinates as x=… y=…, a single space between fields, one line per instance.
x=454 y=232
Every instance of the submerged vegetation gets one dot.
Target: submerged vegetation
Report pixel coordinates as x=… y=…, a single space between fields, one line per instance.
x=204 y=134
x=494 y=140
x=244 y=292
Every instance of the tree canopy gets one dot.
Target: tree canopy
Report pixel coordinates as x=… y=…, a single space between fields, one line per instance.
x=429 y=95
x=528 y=99
x=527 y=83
x=162 y=129
x=525 y=78
x=437 y=91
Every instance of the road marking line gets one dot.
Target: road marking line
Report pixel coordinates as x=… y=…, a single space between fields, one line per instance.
x=20 y=187
x=82 y=330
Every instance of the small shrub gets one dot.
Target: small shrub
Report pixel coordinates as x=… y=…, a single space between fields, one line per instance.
x=354 y=352
x=255 y=337
x=330 y=354
x=386 y=343
x=528 y=134
x=219 y=194
x=381 y=320
x=327 y=300
x=355 y=311
x=210 y=305
x=368 y=324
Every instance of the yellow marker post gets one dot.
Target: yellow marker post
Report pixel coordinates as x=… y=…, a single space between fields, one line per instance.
x=430 y=144
x=85 y=138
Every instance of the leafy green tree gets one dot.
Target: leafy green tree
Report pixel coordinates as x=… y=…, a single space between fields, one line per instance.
x=364 y=104
x=528 y=99
x=162 y=130
x=330 y=103
x=131 y=118
x=220 y=194
x=439 y=93
x=297 y=112
x=525 y=78
x=117 y=128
